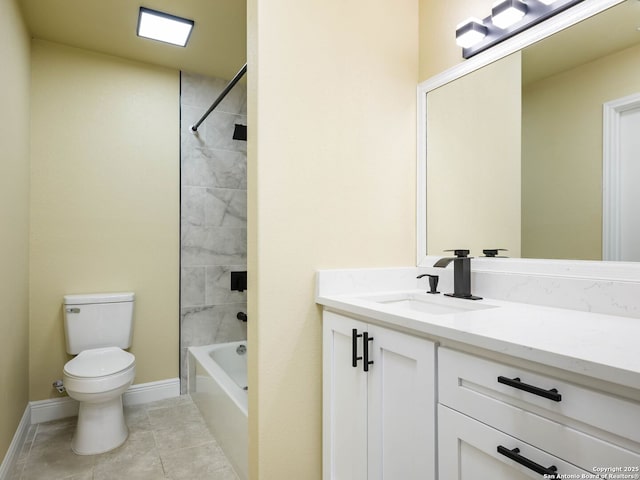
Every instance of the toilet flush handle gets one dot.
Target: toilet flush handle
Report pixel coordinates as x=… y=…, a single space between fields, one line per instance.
x=73 y=310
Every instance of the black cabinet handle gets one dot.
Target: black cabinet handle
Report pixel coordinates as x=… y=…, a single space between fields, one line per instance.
x=354 y=347
x=549 y=472
x=516 y=383
x=365 y=350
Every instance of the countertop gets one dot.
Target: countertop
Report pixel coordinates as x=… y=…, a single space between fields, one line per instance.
x=605 y=347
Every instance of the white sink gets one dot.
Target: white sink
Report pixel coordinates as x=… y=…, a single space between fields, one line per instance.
x=431 y=304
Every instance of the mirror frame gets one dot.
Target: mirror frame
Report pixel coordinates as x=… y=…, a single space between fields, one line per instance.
x=581 y=268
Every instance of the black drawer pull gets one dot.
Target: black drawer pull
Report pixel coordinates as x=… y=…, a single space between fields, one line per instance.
x=354 y=347
x=365 y=351
x=516 y=383
x=514 y=455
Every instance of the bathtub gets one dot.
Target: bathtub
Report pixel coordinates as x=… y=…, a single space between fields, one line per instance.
x=217 y=382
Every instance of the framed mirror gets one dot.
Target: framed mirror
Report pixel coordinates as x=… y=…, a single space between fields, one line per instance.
x=511 y=142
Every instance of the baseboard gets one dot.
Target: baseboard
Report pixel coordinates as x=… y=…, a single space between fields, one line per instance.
x=13 y=453
x=53 y=409
x=57 y=408
x=152 y=391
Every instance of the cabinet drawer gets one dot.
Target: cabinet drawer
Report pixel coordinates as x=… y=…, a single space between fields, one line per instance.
x=471 y=385
x=470 y=450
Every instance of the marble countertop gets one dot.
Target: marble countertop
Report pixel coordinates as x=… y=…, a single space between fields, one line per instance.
x=606 y=347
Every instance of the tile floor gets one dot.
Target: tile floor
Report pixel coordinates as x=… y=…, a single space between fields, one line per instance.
x=168 y=439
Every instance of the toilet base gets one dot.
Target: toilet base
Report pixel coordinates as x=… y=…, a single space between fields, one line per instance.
x=101 y=427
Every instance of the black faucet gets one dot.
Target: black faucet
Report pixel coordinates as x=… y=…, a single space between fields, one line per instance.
x=461 y=274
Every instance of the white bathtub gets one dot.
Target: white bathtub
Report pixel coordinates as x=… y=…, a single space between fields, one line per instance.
x=217 y=382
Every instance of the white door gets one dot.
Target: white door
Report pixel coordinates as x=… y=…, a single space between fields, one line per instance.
x=630 y=185
x=621 y=180
x=344 y=401
x=401 y=406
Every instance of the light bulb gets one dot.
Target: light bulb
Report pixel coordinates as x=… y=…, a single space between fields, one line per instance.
x=470 y=32
x=508 y=12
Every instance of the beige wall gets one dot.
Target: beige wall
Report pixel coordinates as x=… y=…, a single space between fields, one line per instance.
x=331 y=184
x=14 y=220
x=562 y=155
x=438 y=21
x=473 y=172
x=104 y=201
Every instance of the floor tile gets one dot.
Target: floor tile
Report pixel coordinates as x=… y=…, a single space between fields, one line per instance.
x=188 y=435
x=144 y=467
x=51 y=455
x=81 y=476
x=137 y=419
x=168 y=439
x=28 y=442
x=16 y=471
x=176 y=416
x=138 y=444
x=201 y=462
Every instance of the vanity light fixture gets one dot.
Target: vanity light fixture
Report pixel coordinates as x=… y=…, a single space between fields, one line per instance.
x=164 y=27
x=507 y=12
x=470 y=32
x=508 y=18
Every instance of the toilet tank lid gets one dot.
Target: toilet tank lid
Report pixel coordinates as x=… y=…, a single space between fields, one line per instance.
x=98 y=298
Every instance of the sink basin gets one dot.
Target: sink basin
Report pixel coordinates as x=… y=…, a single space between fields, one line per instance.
x=431 y=304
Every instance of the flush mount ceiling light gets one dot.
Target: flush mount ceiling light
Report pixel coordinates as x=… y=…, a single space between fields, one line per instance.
x=508 y=18
x=164 y=27
x=470 y=32
x=507 y=12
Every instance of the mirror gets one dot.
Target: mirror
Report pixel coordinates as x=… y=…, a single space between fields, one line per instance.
x=515 y=149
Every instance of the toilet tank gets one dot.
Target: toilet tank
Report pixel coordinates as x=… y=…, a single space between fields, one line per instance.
x=98 y=320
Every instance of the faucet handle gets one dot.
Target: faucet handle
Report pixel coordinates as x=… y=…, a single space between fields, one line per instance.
x=493 y=252
x=460 y=253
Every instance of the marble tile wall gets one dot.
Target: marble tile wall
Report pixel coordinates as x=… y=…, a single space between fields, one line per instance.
x=213 y=214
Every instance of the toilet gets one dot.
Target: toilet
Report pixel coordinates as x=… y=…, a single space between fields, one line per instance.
x=98 y=327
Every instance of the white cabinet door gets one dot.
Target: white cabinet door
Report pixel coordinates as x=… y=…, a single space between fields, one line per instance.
x=344 y=401
x=469 y=450
x=377 y=424
x=401 y=406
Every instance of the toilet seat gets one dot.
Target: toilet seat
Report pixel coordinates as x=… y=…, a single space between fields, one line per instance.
x=99 y=370
x=99 y=362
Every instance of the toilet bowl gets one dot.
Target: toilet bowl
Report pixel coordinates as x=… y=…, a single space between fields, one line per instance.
x=97 y=378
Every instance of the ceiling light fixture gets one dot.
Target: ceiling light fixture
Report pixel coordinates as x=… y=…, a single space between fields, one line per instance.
x=470 y=32
x=164 y=27
x=507 y=12
x=508 y=18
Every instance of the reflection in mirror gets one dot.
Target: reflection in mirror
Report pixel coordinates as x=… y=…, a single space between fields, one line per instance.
x=473 y=160
x=551 y=205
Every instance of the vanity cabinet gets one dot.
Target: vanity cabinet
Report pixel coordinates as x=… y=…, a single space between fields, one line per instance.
x=378 y=402
x=497 y=420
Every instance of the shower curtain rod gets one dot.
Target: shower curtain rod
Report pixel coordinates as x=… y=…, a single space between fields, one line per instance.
x=230 y=85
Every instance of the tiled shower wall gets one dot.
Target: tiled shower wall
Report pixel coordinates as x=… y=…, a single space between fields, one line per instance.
x=213 y=215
